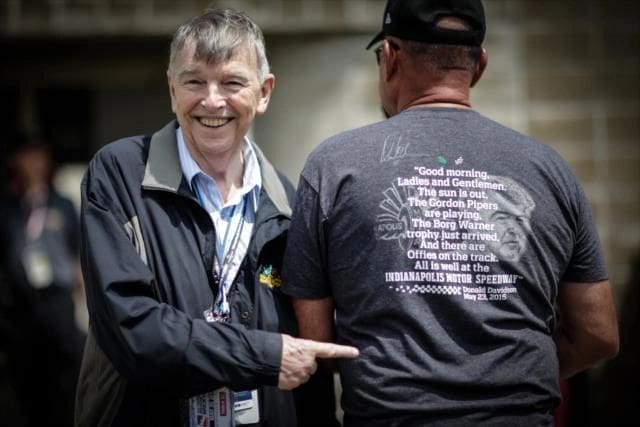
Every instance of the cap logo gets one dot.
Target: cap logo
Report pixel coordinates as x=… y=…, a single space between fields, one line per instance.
x=416 y=20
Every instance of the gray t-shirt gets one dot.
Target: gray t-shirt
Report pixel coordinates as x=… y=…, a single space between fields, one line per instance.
x=443 y=237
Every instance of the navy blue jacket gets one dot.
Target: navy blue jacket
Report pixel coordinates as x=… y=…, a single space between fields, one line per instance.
x=59 y=240
x=147 y=255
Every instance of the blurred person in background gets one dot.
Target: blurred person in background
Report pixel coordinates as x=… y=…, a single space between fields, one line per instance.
x=183 y=233
x=39 y=235
x=452 y=330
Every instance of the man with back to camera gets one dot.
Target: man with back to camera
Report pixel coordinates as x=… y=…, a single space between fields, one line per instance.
x=183 y=233
x=455 y=321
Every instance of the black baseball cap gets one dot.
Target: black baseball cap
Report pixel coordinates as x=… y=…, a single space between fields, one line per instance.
x=416 y=20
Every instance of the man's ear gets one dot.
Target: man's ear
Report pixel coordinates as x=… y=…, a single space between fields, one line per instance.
x=390 y=60
x=266 y=89
x=172 y=91
x=480 y=67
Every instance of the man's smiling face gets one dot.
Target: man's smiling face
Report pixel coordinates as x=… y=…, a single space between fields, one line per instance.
x=215 y=103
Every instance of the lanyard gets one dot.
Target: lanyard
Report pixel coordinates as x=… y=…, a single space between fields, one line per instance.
x=34 y=225
x=224 y=257
x=222 y=269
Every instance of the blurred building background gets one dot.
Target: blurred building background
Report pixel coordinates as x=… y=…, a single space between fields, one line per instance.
x=567 y=72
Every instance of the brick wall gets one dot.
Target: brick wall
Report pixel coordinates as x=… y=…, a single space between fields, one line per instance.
x=568 y=73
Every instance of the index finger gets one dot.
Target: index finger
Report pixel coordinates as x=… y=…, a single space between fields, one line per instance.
x=333 y=351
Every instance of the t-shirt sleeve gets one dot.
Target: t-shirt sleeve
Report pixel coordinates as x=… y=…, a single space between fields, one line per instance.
x=304 y=275
x=587 y=261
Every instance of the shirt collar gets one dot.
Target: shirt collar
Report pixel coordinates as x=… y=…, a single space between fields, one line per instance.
x=251 y=179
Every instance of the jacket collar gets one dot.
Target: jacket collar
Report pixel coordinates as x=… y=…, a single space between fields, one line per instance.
x=163 y=172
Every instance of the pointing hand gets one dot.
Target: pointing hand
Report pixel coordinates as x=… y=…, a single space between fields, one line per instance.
x=299 y=359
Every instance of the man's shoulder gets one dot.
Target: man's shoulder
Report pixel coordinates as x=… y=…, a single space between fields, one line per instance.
x=360 y=132
x=124 y=149
x=59 y=199
x=346 y=141
x=134 y=146
x=125 y=157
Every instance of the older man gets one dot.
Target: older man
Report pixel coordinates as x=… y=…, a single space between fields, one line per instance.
x=454 y=315
x=183 y=233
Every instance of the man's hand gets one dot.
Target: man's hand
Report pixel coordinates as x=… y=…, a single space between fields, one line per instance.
x=299 y=359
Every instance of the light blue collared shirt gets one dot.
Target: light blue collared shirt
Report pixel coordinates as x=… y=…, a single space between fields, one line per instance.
x=233 y=229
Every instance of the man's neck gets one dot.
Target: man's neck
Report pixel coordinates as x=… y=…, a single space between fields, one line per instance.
x=230 y=180
x=228 y=173
x=437 y=97
x=450 y=90
x=36 y=193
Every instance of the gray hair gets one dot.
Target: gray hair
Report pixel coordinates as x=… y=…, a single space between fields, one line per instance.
x=510 y=196
x=216 y=34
